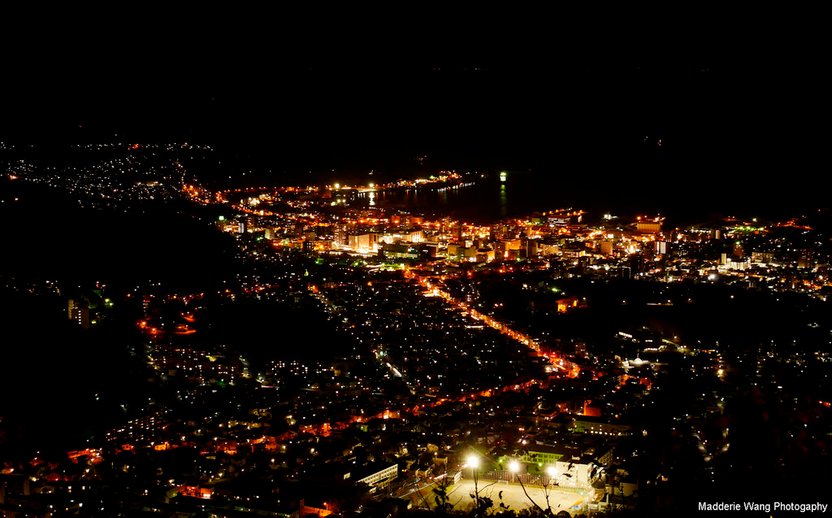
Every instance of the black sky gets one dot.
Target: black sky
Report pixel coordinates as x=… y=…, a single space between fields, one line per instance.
x=729 y=96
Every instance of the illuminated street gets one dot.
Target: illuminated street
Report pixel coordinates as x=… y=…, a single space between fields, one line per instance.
x=320 y=264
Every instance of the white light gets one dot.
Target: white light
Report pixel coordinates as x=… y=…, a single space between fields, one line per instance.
x=473 y=461
x=551 y=471
x=514 y=466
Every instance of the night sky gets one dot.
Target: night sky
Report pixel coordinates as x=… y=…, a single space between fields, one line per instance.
x=695 y=104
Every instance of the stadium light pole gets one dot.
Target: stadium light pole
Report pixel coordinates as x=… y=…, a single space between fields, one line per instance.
x=552 y=473
x=473 y=462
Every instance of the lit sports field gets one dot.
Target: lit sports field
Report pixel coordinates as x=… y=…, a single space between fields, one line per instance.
x=512 y=496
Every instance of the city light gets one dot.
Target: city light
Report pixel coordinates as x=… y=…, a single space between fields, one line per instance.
x=451 y=341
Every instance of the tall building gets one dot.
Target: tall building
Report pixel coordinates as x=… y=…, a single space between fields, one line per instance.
x=806 y=258
x=530 y=247
x=606 y=247
x=79 y=312
x=365 y=242
x=340 y=235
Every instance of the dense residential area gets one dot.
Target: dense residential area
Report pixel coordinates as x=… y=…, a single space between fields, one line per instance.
x=355 y=356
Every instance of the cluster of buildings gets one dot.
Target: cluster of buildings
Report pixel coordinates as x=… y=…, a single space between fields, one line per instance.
x=782 y=256
x=113 y=176
x=453 y=344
